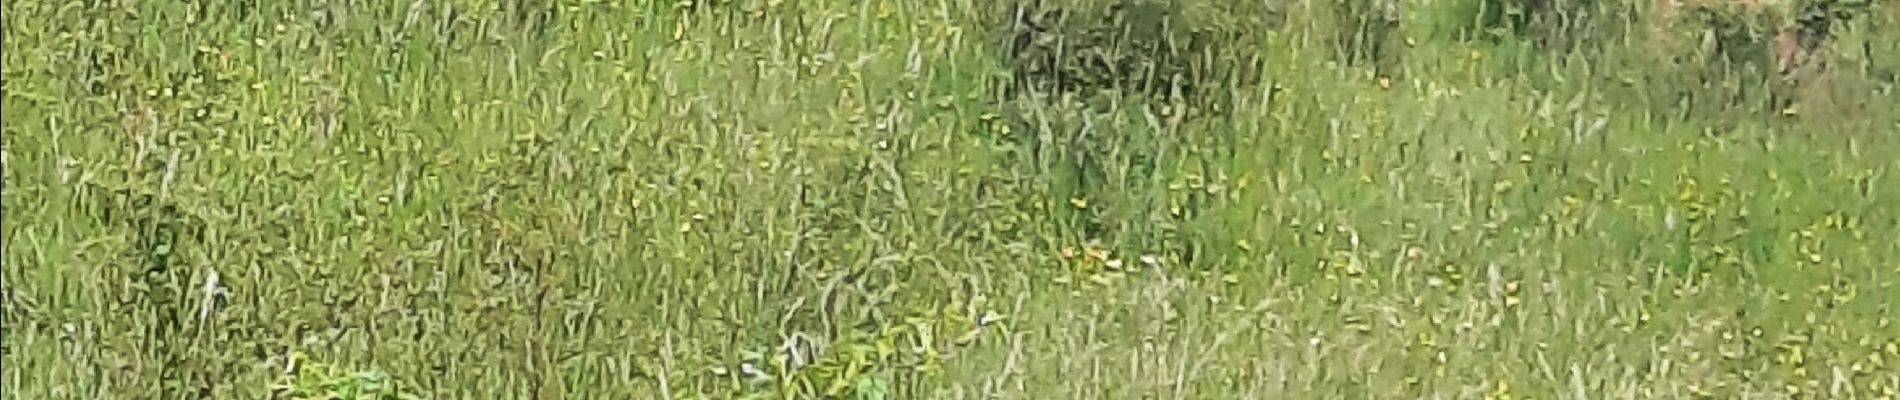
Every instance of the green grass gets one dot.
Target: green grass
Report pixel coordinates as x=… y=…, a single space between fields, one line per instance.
x=447 y=200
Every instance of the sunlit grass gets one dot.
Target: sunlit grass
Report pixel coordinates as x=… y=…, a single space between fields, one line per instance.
x=808 y=199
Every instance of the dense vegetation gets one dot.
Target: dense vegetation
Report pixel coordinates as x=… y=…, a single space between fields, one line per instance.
x=1576 y=199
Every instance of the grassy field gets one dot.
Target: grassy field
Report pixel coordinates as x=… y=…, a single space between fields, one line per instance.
x=830 y=199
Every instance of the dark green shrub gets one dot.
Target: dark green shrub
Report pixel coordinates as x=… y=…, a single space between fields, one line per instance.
x=1818 y=20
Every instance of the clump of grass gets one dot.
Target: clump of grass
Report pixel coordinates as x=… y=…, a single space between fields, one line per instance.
x=1368 y=32
x=1145 y=47
x=1557 y=26
x=328 y=382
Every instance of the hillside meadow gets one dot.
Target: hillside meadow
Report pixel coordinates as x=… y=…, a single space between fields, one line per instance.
x=933 y=199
